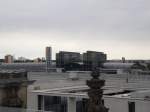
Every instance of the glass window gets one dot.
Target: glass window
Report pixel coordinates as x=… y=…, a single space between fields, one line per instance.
x=131 y=106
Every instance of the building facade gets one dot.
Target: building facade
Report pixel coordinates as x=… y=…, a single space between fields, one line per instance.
x=93 y=59
x=65 y=95
x=48 y=58
x=9 y=59
x=63 y=58
x=13 y=88
x=76 y=100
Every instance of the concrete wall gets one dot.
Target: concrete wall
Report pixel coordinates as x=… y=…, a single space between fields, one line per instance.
x=32 y=99
x=116 y=105
x=121 y=105
x=1 y=96
x=142 y=106
x=22 y=93
x=6 y=94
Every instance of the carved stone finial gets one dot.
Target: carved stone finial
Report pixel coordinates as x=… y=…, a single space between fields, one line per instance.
x=95 y=92
x=95 y=73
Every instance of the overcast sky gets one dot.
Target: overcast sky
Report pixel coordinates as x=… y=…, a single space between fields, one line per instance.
x=120 y=28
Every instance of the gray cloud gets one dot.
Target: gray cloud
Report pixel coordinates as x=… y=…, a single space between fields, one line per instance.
x=74 y=21
x=77 y=15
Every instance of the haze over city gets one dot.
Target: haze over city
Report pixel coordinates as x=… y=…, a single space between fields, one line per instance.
x=118 y=28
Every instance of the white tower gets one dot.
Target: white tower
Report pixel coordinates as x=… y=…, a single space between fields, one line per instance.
x=48 y=58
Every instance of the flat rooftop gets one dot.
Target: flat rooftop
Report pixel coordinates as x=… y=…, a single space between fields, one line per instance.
x=59 y=84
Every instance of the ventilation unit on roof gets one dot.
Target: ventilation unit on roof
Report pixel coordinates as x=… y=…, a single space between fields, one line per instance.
x=73 y=76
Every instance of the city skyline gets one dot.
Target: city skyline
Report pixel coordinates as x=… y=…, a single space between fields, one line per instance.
x=118 y=28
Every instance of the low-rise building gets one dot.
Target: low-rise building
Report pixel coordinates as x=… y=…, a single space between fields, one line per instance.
x=9 y=59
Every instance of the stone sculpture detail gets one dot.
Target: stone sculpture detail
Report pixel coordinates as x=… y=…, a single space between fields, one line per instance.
x=95 y=93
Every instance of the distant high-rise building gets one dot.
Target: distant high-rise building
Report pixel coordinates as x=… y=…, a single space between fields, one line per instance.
x=92 y=59
x=9 y=59
x=48 y=58
x=64 y=57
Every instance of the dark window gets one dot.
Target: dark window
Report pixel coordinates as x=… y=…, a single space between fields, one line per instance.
x=40 y=102
x=103 y=101
x=55 y=104
x=85 y=104
x=131 y=106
